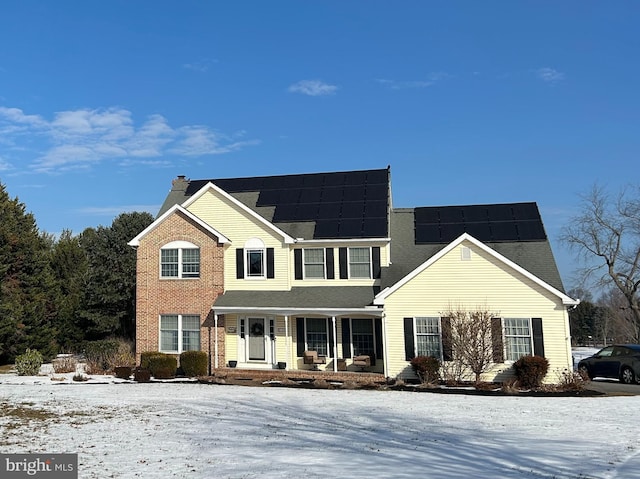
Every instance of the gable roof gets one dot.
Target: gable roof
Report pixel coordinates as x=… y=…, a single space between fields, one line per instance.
x=379 y=300
x=177 y=208
x=334 y=205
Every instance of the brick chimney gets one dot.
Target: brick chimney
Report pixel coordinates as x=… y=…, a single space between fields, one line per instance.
x=180 y=183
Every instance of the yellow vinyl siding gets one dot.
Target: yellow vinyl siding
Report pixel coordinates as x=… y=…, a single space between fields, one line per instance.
x=482 y=282
x=239 y=226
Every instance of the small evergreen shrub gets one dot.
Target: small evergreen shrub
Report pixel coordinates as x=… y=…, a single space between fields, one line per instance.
x=163 y=366
x=530 y=371
x=28 y=364
x=194 y=363
x=146 y=356
x=426 y=368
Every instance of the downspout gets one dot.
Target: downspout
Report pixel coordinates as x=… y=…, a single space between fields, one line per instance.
x=335 y=344
x=286 y=340
x=215 y=322
x=209 y=344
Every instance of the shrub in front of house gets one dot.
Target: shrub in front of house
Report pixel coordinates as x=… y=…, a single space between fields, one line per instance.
x=426 y=368
x=28 y=364
x=530 y=371
x=163 y=366
x=146 y=356
x=105 y=355
x=194 y=363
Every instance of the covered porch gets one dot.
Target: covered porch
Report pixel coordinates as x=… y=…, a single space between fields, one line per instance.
x=260 y=334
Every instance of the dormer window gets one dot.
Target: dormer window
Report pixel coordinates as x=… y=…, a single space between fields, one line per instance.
x=180 y=259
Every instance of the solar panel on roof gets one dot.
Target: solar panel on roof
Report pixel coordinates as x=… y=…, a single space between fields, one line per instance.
x=285 y=213
x=499 y=212
x=352 y=209
x=326 y=229
x=350 y=228
x=374 y=227
x=530 y=230
x=288 y=196
x=428 y=233
x=525 y=211
x=451 y=215
x=329 y=210
x=480 y=231
x=331 y=194
x=353 y=193
x=355 y=178
x=426 y=215
x=475 y=213
x=310 y=195
x=376 y=209
x=307 y=212
x=449 y=232
x=378 y=176
x=503 y=231
x=334 y=179
x=268 y=198
x=313 y=181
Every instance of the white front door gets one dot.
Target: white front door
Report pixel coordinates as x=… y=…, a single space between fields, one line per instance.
x=256 y=350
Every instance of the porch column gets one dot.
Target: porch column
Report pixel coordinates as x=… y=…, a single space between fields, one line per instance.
x=335 y=344
x=385 y=345
x=215 y=323
x=286 y=340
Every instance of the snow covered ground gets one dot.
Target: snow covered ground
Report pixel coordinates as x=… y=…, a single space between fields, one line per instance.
x=162 y=430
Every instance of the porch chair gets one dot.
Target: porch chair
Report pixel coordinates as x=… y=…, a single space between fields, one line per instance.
x=311 y=357
x=362 y=361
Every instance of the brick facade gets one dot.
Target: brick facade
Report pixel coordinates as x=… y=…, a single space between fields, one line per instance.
x=156 y=296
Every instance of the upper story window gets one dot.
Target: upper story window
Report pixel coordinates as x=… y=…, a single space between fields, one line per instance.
x=180 y=259
x=255 y=259
x=314 y=263
x=360 y=263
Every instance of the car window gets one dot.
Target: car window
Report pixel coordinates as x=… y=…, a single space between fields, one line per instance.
x=606 y=352
x=622 y=352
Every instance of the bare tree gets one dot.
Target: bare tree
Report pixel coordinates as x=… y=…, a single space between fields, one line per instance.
x=607 y=231
x=470 y=338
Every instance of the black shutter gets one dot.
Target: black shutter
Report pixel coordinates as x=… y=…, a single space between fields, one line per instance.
x=346 y=338
x=409 y=348
x=297 y=263
x=342 y=252
x=447 y=347
x=331 y=274
x=239 y=263
x=270 y=264
x=377 y=325
x=538 y=340
x=496 y=340
x=300 y=336
x=329 y=324
x=375 y=253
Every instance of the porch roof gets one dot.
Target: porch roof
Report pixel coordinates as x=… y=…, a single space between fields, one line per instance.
x=325 y=300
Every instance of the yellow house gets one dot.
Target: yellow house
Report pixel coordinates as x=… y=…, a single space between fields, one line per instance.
x=319 y=271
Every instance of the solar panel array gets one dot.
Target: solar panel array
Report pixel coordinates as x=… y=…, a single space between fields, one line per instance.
x=343 y=204
x=487 y=223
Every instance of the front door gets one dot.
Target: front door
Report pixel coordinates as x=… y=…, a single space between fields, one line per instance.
x=256 y=339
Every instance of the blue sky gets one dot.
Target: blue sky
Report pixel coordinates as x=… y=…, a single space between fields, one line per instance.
x=102 y=104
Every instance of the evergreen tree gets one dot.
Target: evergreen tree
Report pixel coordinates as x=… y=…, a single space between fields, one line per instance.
x=109 y=301
x=26 y=307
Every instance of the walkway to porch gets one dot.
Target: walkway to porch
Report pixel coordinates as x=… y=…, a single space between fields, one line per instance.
x=259 y=376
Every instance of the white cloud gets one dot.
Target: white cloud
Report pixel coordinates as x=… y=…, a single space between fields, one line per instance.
x=549 y=75
x=5 y=165
x=82 y=138
x=200 y=66
x=117 y=210
x=313 y=88
x=431 y=80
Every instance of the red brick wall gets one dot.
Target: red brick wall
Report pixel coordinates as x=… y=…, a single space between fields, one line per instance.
x=155 y=296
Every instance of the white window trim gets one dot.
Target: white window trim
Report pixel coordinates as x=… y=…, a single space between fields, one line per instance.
x=415 y=334
x=180 y=331
x=504 y=338
x=253 y=245
x=180 y=246
x=349 y=262
x=324 y=264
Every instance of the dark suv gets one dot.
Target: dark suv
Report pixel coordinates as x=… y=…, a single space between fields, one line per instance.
x=615 y=362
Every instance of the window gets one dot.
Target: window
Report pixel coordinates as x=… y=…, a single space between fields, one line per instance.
x=517 y=337
x=362 y=337
x=180 y=259
x=314 y=263
x=428 y=337
x=255 y=263
x=179 y=333
x=316 y=335
x=360 y=263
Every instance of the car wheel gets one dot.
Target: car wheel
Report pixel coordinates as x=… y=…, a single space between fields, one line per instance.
x=627 y=376
x=584 y=372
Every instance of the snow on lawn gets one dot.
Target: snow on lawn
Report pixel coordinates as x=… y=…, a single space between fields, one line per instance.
x=193 y=430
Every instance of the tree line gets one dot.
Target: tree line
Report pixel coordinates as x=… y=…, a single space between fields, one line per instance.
x=58 y=293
